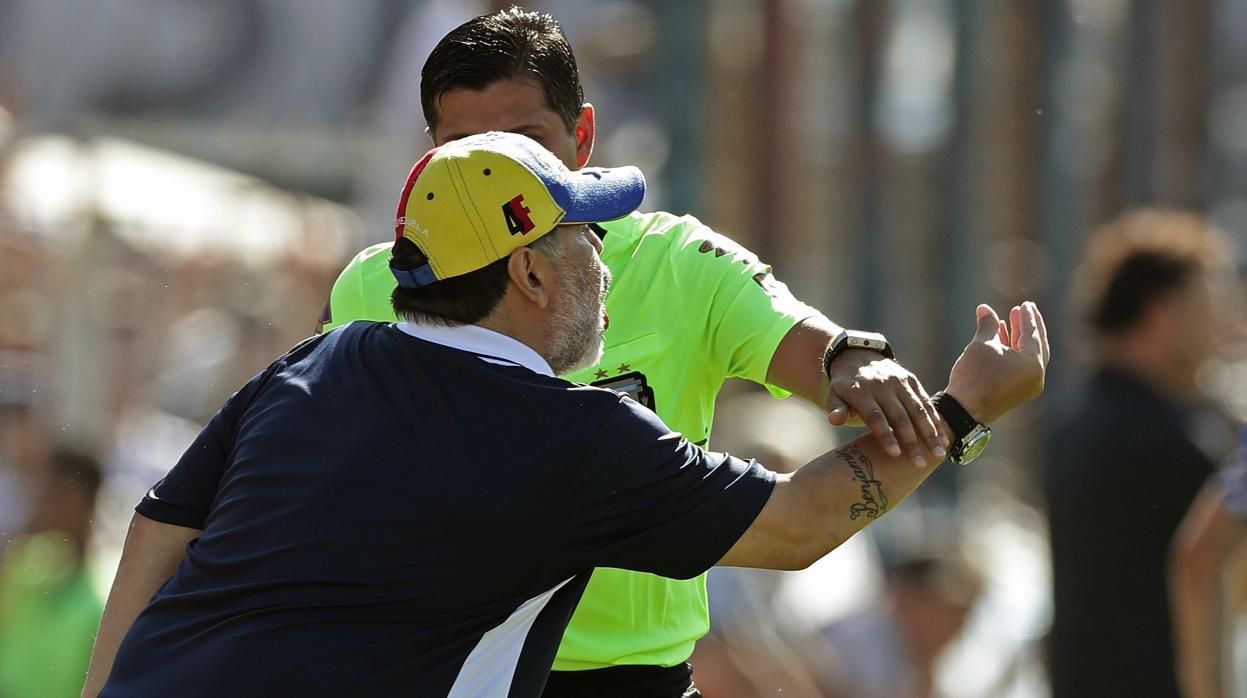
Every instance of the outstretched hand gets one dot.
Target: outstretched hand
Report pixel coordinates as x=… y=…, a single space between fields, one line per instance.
x=1004 y=365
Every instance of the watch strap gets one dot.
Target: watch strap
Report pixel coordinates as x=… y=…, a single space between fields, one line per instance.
x=960 y=420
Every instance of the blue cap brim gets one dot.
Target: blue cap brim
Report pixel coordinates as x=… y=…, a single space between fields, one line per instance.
x=596 y=194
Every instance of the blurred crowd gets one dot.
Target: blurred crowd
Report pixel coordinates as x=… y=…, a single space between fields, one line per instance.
x=1043 y=569
x=111 y=357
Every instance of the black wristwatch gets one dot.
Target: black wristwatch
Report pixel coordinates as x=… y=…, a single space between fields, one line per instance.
x=970 y=436
x=855 y=339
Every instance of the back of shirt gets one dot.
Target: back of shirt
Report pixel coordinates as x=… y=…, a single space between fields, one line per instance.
x=389 y=515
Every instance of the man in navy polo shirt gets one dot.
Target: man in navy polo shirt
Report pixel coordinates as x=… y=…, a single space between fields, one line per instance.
x=415 y=508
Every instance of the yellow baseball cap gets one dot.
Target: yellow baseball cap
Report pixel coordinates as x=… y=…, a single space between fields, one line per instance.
x=470 y=202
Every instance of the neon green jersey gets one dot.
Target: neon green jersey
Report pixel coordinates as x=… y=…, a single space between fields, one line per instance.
x=688 y=308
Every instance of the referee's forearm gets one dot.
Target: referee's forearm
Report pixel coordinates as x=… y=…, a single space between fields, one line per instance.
x=797 y=365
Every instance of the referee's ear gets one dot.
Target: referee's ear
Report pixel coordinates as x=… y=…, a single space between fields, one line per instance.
x=532 y=275
x=586 y=130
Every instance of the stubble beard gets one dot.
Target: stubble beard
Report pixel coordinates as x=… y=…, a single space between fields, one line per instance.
x=577 y=327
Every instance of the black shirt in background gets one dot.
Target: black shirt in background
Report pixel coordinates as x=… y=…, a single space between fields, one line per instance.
x=1121 y=472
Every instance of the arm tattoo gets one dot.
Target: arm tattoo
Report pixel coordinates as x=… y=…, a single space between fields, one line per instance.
x=874 y=501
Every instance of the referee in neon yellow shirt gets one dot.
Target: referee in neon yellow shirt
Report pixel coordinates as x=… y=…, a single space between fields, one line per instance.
x=688 y=309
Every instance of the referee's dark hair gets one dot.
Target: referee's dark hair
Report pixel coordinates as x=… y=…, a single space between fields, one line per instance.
x=512 y=43
x=1138 y=258
x=459 y=300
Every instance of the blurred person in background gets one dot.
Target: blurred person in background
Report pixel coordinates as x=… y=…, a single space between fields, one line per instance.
x=690 y=309
x=25 y=447
x=890 y=649
x=1212 y=537
x=49 y=609
x=1131 y=455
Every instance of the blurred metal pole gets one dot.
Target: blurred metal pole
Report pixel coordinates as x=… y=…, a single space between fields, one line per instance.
x=1226 y=166
x=960 y=246
x=1139 y=107
x=868 y=21
x=1184 y=50
x=774 y=126
x=1062 y=207
x=680 y=78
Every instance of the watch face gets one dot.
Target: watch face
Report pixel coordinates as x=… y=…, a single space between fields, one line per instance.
x=867 y=343
x=974 y=444
x=857 y=339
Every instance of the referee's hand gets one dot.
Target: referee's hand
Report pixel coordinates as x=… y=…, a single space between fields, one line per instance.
x=868 y=389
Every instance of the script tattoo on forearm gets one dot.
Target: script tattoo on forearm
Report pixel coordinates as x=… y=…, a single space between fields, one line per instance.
x=874 y=501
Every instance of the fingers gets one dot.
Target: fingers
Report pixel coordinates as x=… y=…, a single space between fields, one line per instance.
x=838 y=411
x=854 y=393
x=876 y=419
x=923 y=413
x=1015 y=326
x=988 y=323
x=906 y=423
x=1004 y=333
x=891 y=402
x=902 y=429
x=1043 y=334
x=1029 y=339
x=1027 y=331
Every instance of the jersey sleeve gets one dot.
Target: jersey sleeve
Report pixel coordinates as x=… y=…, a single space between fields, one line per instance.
x=747 y=310
x=184 y=496
x=646 y=499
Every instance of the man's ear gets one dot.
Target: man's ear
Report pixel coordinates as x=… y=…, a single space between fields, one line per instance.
x=429 y=132
x=586 y=130
x=532 y=274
